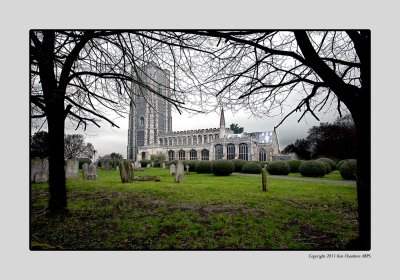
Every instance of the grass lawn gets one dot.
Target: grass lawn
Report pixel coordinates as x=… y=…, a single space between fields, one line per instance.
x=204 y=212
x=334 y=175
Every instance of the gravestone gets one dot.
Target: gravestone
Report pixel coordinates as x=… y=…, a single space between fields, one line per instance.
x=163 y=165
x=125 y=171
x=71 y=170
x=138 y=165
x=35 y=167
x=85 y=171
x=105 y=165
x=92 y=172
x=172 y=169
x=187 y=169
x=152 y=164
x=117 y=167
x=179 y=174
x=42 y=173
x=133 y=166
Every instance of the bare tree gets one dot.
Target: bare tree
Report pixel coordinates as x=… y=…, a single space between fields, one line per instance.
x=261 y=71
x=74 y=146
x=78 y=76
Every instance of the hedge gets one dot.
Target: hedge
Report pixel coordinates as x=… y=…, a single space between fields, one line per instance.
x=251 y=168
x=294 y=165
x=312 y=168
x=222 y=167
x=191 y=163
x=331 y=162
x=203 y=166
x=238 y=163
x=348 y=170
x=279 y=167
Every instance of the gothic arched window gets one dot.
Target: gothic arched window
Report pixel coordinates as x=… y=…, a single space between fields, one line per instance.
x=230 y=151
x=243 y=151
x=205 y=154
x=181 y=155
x=193 y=154
x=262 y=155
x=171 y=155
x=219 y=152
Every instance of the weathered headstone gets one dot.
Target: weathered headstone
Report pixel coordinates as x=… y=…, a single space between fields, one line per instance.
x=172 y=169
x=163 y=165
x=85 y=171
x=92 y=172
x=125 y=171
x=152 y=164
x=42 y=173
x=187 y=169
x=179 y=174
x=138 y=165
x=117 y=167
x=71 y=170
x=36 y=164
x=148 y=165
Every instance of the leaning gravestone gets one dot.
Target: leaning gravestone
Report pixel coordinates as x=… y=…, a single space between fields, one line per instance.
x=85 y=171
x=71 y=170
x=179 y=173
x=172 y=169
x=42 y=173
x=126 y=171
x=36 y=164
x=92 y=172
x=163 y=165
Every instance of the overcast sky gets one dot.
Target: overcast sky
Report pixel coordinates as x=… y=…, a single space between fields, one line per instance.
x=107 y=140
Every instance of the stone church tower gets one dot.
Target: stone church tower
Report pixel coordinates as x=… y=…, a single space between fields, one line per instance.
x=150 y=114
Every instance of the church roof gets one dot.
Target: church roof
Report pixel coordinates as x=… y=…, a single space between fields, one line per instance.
x=262 y=137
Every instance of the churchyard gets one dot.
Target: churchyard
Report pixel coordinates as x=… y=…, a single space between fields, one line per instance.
x=194 y=211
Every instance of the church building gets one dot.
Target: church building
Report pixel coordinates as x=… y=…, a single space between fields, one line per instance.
x=150 y=129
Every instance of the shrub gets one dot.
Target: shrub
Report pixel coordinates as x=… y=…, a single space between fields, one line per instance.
x=203 y=166
x=175 y=162
x=331 y=162
x=294 y=165
x=312 y=168
x=191 y=163
x=327 y=166
x=340 y=164
x=158 y=159
x=251 y=167
x=144 y=162
x=222 y=167
x=348 y=169
x=238 y=163
x=261 y=163
x=279 y=167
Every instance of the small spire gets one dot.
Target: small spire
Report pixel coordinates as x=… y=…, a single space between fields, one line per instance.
x=222 y=119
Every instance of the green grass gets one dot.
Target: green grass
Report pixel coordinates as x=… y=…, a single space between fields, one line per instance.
x=203 y=212
x=334 y=175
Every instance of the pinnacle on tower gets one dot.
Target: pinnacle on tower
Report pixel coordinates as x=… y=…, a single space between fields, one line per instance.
x=222 y=119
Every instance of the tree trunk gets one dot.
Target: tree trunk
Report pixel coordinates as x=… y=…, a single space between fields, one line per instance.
x=57 y=186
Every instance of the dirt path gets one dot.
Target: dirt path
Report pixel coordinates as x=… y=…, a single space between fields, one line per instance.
x=351 y=183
